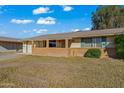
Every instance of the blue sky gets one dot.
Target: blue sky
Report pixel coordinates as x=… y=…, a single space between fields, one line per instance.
x=27 y=21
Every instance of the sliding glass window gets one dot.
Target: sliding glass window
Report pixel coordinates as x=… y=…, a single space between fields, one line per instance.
x=96 y=42
x=86 y=42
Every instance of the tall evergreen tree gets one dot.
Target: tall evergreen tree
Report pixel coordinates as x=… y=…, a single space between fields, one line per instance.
x=107 y=17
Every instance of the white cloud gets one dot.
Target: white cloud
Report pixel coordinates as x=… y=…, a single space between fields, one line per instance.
x=18 y=21
x=26 y=31
x=37 y=31
x=46 y=21
x=67 y=8
x=75 y=30
x=85 y=29
x=88 y=28
x=34 y=30
x=41 y=31
x=41 y=10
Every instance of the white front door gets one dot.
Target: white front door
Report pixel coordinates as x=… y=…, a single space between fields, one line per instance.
x=24 y=48
x=29 y=49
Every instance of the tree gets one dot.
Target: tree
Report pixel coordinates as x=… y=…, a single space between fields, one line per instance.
x=106 y=17
x=119 y=43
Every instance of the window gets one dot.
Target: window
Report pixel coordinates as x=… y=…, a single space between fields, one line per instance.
x=86 y=42
x=40 y=44
x=52 y=43
x=104 y=42
x=104 y=39
x=95 y=42
x=98 y=42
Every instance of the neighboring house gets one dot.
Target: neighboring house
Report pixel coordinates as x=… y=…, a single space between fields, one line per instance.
x=10 y=44
x=73 y=43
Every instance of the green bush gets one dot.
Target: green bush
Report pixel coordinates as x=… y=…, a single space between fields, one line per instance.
x=119 y=43
x=93 y=53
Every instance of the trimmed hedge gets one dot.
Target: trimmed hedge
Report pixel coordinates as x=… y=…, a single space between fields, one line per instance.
x=119 y=43
x=93 y=53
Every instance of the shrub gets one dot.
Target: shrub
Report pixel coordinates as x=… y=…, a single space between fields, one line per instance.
x=119 y=44
x=93 y=53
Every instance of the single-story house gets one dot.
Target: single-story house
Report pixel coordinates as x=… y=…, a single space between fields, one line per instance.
x=73 y=43
x=10 y=44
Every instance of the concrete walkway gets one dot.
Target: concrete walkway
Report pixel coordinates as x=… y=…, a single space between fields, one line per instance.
x=5 y=56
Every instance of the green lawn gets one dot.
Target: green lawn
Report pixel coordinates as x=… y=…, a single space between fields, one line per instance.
x=35 y=71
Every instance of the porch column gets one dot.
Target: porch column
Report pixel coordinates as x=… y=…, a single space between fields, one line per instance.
x=47 y=43
x=33 y=44
x=66 y=43
x=57 y=44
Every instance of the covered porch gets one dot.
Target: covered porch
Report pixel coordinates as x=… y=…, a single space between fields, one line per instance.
x=47 y=47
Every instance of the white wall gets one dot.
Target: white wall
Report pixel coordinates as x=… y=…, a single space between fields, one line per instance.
x=76 y=43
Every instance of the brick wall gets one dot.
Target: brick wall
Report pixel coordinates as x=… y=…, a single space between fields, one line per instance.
x=65 y=52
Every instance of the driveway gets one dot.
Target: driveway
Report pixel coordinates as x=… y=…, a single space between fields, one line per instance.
x=5 y=56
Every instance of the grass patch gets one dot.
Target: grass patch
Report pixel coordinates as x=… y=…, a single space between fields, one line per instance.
x=36 y=71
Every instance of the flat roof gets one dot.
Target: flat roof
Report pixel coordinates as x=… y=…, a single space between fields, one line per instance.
x=9 y=39
x=83 y=34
